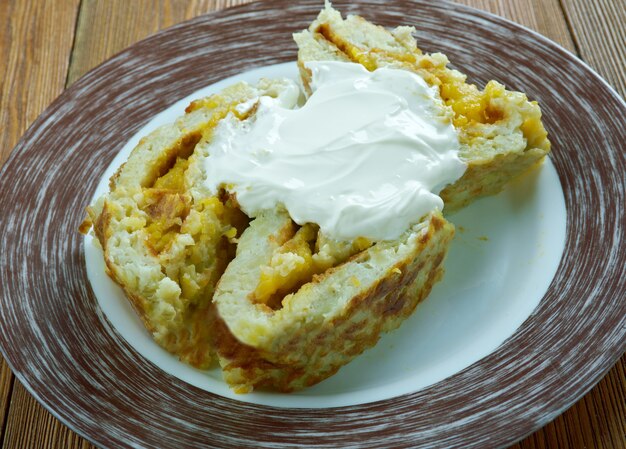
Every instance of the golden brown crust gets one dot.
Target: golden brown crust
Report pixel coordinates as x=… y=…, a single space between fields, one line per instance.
x=101 y=223
x=85 y=226
x=318 y=349
x=484 y=179
x=501 y=133
x=165 y=243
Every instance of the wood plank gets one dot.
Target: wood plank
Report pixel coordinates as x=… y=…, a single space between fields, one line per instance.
x=107 y=27
x=31 y=426
x=545 y=17
x=35 y=43
x=599 y=30
x=6 y=386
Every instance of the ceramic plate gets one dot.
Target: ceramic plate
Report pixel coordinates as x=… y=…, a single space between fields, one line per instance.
x=551 y=322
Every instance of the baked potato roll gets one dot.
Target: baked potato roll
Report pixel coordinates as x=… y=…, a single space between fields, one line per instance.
x=341 y=298
x=165 y=238
x=500 y=131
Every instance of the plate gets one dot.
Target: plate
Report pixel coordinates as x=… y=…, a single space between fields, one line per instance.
x=65 y=351
x=507 y=246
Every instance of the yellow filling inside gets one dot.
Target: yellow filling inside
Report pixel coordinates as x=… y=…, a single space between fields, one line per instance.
x=297 y=262
x=167 y=206
x=173 y=218
x=470 y=105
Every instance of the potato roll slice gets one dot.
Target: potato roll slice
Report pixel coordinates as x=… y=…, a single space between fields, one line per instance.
x=165 y=238
x=340 y=302
x=500 y=131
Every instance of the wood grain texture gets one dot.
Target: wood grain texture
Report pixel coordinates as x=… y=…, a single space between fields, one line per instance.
x=104 y=28
x=35 y=43
x=31 y=426
x=107 y=27
x=6 y=388
x=599 y=30
x=543 y=16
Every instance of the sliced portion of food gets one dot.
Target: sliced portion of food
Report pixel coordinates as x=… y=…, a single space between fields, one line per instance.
x=322 y=317
x=165 y=238
x=500 y=131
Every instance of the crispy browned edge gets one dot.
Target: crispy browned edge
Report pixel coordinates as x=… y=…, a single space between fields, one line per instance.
x=482 y=177
x=389 y=302
x=101 y=224
x=101 y=228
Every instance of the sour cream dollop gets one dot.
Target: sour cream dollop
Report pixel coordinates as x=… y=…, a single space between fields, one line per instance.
x=365 y=156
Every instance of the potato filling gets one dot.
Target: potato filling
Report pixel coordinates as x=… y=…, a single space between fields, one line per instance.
x=172 y=214
x=194 y=241
x=167 y=206
x=297 y=261
x=470 y=105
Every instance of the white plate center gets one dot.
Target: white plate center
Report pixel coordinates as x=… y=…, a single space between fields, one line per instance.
x=506 y=251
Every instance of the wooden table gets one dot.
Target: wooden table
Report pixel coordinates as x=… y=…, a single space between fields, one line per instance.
x=46 y=45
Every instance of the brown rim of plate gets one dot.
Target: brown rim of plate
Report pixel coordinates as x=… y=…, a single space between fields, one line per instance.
x=61 y=347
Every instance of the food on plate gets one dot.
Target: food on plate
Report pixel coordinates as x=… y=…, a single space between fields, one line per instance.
x=279 y=232
x=500 y=131
x=166 y=242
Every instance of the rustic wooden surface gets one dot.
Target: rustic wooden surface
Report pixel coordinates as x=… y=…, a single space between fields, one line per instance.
x=45 y=46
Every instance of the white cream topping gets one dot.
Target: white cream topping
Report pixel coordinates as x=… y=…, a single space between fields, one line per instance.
x=366 y=155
